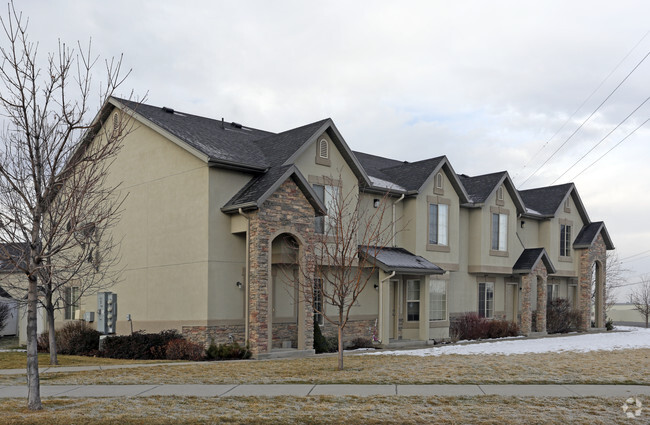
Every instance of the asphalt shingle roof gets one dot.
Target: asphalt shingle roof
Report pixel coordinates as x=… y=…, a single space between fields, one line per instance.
x=399 y=260
x=409 y=175
x=545 y=200
x=479 y=188
x=277 y=148
x=589 y=233
x=220 y=143
x=529 y=258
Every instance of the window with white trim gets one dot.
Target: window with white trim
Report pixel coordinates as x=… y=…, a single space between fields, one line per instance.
x=486 y=299
x=565 y=240
x=318 y=301
x=329 y=195
x=499 y=232
x=437 y=300
x=71 y=296
x=552 y=292
x=438 y=224
x=412 y=300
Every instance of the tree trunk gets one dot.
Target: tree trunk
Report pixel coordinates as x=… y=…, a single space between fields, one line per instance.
x=49 y=307
x=341 y=324
x=33 y=381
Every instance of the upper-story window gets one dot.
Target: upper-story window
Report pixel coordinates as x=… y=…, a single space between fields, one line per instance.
x=499 y=232
x=329 y=195
x=438 y=224
x=565 y=240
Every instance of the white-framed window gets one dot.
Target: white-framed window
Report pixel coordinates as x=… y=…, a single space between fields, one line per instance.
x=323 y=149
x=437 y=300
x=438 y=224
x=486 y=299
x=329 y=195
x=552 y=292
x=71 y=299
x=565 y=240
x=499 y=232
x=412 y=300
x=318 y=301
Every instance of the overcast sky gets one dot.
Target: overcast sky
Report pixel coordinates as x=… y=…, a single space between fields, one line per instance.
x=492 y=85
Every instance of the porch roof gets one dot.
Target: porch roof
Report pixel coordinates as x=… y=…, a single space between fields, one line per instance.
x=529 y=259
x=398 y=260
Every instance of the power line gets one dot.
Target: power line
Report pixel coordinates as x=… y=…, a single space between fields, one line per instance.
x=588 y=118
x=603 y=139
x=634 y=255
x=584 y=102
x=611 y=149
x=638 y=258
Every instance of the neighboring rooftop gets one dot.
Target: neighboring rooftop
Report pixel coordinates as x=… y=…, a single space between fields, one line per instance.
x=545 y=200
x=479 y=188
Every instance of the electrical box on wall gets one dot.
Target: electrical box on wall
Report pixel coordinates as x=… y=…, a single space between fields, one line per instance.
x=106 y=312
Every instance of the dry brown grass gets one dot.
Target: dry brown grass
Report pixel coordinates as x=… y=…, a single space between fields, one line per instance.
x=599 y=367
x=18 y=360
x=320 y=410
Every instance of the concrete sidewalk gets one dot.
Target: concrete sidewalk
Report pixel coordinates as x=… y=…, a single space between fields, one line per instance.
x=302 y=390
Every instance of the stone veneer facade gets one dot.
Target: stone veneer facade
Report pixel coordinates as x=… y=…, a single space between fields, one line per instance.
x=597 y=252
x=219 y=334
x=526 y=293
x=286 y=211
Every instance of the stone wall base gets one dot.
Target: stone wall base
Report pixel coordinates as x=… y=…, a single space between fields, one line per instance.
x=354 y=329
x=285 y=333
x=221 y=334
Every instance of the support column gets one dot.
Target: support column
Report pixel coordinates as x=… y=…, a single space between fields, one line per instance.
x=423 y=334
x=526 y=314
x=541 y=303
x=384 y=317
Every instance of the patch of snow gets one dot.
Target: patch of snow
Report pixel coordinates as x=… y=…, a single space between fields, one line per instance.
x=532 y=211
x=385 y=184
x=609 y=341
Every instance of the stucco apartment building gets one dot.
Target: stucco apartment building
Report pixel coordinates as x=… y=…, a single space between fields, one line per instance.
x=210 y=204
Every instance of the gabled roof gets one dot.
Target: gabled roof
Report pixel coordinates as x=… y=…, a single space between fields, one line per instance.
x=544 y=202
x=408 y=177
x=482 y=188
x=589 y=233
x=260 y=187
x=529 y=259
x=213 y=140
x=398 y=260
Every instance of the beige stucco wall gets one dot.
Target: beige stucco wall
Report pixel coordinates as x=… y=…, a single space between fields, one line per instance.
x=164 y=249
x=565 y=266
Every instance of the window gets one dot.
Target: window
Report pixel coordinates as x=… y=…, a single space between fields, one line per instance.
x=323 y=149
x=318 y=301
x=438 y=224
x=412 y=300
x=437 y=300
x=329 y=195
x=552 y=292
x=486 y=299
x=565 y=240
x=499 y=232
x=71 y=300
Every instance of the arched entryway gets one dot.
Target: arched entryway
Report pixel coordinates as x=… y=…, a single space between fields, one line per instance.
x=283 y=294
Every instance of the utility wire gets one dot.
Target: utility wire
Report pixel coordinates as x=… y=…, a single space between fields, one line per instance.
x=611 y=149
x=588 y=118
x=583 y=103
x=635 y=255
x=602 y=140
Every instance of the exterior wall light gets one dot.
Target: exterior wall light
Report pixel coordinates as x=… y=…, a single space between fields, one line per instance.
x=239 y=284
x=375 y=203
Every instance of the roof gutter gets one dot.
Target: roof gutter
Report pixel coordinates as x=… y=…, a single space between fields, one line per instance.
x=238 y=166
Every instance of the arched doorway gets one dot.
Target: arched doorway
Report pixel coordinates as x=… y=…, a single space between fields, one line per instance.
x=283 y=319
x=598 y=295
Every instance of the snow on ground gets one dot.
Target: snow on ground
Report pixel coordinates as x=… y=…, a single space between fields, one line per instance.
x=631 y=338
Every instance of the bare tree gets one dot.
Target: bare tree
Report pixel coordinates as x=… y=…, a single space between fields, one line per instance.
x=640 y=298
x=342 y=269
x=53 y=162
x=616 y=277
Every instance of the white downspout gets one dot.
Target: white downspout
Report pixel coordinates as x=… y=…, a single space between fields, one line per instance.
x=399 y=200
x=246 y=277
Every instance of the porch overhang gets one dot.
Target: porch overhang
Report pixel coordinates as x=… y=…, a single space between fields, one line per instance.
x=530 y=258
x=398 y=260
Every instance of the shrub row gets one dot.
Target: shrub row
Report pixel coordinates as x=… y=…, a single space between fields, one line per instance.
x=79 y=338
x=472 y=326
